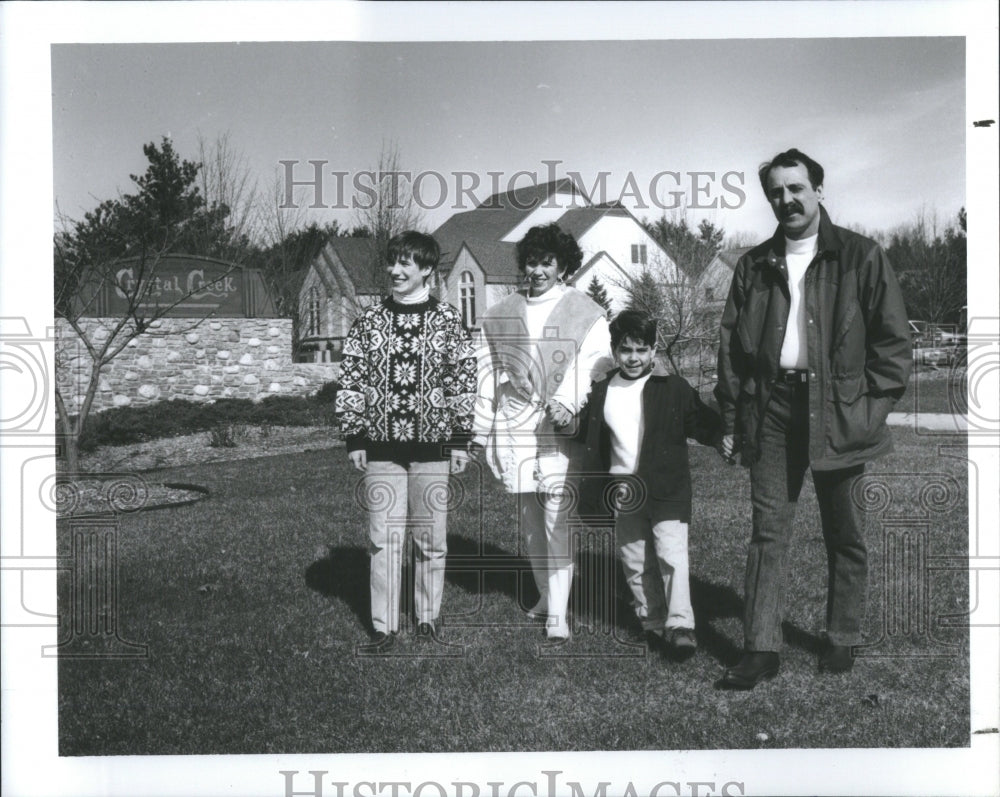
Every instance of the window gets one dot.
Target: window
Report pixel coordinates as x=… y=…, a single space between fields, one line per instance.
x=639 y=254
x=467 y=298
x=313 y=328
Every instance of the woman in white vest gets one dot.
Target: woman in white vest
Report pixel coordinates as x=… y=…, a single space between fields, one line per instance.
x=538 y=351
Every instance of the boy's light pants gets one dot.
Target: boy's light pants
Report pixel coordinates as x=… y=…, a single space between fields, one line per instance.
x=655 y=562
x=398 y=498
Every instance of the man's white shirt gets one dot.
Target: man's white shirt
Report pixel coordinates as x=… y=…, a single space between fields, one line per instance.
x=798 y=255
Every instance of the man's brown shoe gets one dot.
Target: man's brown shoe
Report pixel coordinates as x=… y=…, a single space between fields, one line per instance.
x=836 y=658
x=754 y=667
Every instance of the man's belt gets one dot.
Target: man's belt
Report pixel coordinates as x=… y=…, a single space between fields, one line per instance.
x=793 y=376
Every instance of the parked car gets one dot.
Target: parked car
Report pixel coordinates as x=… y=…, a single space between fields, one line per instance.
x=935 y=344
x=935 y=356
x=918 y=332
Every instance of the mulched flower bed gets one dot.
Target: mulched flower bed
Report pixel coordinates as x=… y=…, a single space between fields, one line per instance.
x=120 y=479
x=119 y=495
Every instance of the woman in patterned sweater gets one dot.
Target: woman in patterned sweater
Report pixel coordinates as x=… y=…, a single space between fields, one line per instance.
x=405 y=403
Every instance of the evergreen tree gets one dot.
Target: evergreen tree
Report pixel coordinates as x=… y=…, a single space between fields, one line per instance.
x=691 y=251
x=596 y=291
x=167 y=213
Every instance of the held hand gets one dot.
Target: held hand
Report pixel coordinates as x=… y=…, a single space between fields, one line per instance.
x=477 y=450
x=558 y=414
x=359 y=459
x=459 y=460
x=727 y=449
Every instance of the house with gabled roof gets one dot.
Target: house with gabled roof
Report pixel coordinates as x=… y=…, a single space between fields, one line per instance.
x=337 y=285
x=479 y=263
x=714 y=281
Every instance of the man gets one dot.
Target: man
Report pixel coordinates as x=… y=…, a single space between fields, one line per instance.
x=814 y=353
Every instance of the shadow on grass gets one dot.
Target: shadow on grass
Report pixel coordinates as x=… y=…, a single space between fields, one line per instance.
x=600 y=596
x=343 y=574
x=713 y=602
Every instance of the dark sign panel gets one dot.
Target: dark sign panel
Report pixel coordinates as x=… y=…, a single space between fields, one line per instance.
x=183 y=286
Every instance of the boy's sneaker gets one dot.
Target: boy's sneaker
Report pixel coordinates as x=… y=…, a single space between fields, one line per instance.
x=681 y=643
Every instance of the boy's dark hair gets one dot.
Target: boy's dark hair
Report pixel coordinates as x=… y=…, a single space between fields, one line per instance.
x=789 y=160
x=634 y=324
x=421 y=248
x=549 y=239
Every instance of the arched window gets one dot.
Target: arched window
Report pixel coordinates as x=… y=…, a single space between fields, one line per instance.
x=314 y=314
x=467 y=298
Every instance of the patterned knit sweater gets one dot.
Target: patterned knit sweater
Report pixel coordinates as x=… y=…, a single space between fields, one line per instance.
x=408 y=381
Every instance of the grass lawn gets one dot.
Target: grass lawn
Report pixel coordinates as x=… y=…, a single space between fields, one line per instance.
x=253 y=601
x=936 y=390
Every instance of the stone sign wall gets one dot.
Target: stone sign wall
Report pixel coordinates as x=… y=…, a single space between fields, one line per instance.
x=177 y=359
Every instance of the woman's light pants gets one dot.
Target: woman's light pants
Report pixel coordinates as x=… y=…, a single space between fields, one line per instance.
x=546 y=534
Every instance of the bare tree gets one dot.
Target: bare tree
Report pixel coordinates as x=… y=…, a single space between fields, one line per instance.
x=687 y=321
x=390 y=209
x=226 y=181
x=741 y=239
x=108 y=270
x=674 y=293
x=932 y=267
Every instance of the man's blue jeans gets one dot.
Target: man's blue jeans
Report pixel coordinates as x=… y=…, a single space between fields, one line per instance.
x=775 y=483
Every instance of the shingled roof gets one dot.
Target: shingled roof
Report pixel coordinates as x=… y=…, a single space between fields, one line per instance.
x=529 y=197
x=356 y=255
x=482 y=228
x=497 y=259
x=731 y=256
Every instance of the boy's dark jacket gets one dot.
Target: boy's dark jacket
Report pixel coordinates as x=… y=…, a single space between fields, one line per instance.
x=672 y=413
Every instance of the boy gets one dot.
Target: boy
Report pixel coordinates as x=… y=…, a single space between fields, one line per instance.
x=405 y=404
x=636 y=428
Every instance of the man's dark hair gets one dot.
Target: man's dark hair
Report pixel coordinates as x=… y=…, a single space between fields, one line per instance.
x=419 y=247
x=789 y=160
x=549 y=239
x=634 y=324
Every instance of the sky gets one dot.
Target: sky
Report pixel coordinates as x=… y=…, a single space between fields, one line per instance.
x=885 y=116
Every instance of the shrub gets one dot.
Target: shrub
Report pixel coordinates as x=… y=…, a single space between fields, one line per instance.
x=125 y=425
x=328 y=393
x=228 y=435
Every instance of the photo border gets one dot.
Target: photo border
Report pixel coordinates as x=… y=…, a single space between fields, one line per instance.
x=29 y=707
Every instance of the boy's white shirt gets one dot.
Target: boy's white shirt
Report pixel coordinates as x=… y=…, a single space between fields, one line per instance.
x=623 y=415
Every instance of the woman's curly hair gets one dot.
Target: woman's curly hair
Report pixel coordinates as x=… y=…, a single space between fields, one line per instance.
x=549 y=239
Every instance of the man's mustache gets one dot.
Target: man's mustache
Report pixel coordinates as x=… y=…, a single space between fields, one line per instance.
x=791 y=207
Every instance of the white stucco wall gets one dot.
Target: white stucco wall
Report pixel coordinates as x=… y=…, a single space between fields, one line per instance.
x=616 y=235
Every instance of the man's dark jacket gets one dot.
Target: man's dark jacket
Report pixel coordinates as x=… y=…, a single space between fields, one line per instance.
x=858 y=344
x=672 y=412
